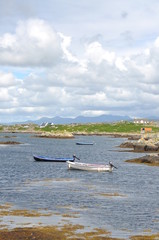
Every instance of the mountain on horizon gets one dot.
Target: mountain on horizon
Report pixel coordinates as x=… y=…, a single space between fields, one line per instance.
x=81 y=119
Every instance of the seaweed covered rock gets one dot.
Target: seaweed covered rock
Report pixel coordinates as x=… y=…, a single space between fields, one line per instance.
x=10 y=143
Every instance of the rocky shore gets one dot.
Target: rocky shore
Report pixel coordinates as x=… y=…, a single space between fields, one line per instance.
x=54 y=135
x=145 y=144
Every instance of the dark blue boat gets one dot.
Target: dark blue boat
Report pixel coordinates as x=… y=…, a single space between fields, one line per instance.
x=84 y=143
x=53 y=159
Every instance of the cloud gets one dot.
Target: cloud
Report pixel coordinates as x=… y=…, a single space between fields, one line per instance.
x=124 y=14
x=96 y=54
x=6 y=80
x=34 y=43
x=43 y=76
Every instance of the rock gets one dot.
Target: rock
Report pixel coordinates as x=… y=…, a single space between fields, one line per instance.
x=139 y=147
x=10 y=143
x=148 y=159
x=151 y=148
x=144 y=147
x=55 y=135
x=126 y=145
x=134 y=137
x=157 y=143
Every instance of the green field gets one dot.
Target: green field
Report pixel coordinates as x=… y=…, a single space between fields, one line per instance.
x=124 y=127
x=119 y=127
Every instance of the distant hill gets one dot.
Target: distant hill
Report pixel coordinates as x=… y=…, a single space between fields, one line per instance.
x=81 y=119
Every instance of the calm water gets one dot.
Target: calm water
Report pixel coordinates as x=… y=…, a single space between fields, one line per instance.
x=28 y=184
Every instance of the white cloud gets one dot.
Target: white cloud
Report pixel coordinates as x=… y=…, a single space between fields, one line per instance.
x=96 y=54
x=4 y=96
x=7 y=79
x=34 y=43
x=58 y=78
x=65 y=44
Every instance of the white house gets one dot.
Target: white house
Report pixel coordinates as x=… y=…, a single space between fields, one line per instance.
x=141 y=121
x=44 y=124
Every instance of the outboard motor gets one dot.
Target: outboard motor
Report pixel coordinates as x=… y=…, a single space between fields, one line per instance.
x=111 y=165
x=74 y=157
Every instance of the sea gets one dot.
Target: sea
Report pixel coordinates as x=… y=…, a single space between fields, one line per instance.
x=124 y=202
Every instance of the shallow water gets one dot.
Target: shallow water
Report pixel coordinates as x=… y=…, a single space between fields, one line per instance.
x=28 y=184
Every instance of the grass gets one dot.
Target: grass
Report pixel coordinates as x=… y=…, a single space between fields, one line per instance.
x=124 y=127
x=96 y=128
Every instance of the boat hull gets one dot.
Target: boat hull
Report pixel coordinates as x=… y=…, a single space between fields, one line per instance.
x=51 y=159
x=84 y=143
x=89 y=167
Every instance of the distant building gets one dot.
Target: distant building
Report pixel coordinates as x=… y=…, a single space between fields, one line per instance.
x=45 y=124
x=141 y=121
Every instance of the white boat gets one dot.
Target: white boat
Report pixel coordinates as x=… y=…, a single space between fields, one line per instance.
x=91 y=167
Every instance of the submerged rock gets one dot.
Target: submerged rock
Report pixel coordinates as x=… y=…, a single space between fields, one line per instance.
x=10 y=142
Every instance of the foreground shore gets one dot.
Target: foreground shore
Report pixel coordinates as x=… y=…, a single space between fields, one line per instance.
x=66 y=233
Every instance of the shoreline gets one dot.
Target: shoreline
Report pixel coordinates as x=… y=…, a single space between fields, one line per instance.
x=136 y=143
x=72 y=134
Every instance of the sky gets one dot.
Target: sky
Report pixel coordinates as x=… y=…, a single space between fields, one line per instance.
x=69 y=58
